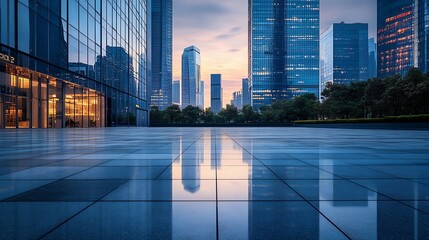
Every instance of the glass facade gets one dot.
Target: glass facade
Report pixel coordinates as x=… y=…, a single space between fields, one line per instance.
x=191 y=76
x=176 y=92
x=344 y=54
x=423 y=34
x=245 y=89
x=73 y=63
x=162 y=45
x=283 y=49
x=395 y=37
x=216 y=93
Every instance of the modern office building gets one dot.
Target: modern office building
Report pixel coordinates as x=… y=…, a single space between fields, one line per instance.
x=216 y=93
x=403 y=31
x=176 y=92
x=201 y=104
x=344 y=54
x=283 y=49
x=372 y=58
x=74 y=63
x=245 y=92
x=191 y=76
x=237 y=99
x=162 y=53
x=395 y=37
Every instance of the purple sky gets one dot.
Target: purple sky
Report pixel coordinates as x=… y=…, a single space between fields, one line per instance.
x=219 y=29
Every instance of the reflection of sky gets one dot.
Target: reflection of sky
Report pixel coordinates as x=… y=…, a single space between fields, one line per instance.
x=219 y=29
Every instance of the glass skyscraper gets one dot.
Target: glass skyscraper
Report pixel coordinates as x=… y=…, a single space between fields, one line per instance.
x=74 y=63
x=201 y=104
x=395 y=37
x=176 y=92
x=191 y=76
x=216 y=93
x=162 y=46
x=344 y=54
x=246 y=93
x=283 y=49
x=403 y=32
x=372 y=58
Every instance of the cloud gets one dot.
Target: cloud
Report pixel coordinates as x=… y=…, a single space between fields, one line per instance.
x=234 y=50
x=235 y=29
x=224 y=36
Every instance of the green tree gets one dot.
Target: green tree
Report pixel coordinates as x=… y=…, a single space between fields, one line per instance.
x=191 y=115
x=230 y=113
x=249 y=114
x=155 y=115
x=208 y=116
x=173 y=114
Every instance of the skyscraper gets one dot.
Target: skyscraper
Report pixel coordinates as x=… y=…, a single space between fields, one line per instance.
x=403 y=32
x=176 y=92
x=372 y=58
x=344 y=54
x=201 y=104
x=216 y=92
x=245 y=92
x=395 y=37
x=237 y=99
x=191 y=76
x=162 y=45
x=283 y=49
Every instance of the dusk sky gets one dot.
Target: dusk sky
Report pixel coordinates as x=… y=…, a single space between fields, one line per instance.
x=219 y=29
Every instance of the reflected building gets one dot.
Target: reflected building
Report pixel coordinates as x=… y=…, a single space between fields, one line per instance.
x=216 y=93
x=191 y=76
x=162 y=52
x=84 y=73
x=344 y=54
x=283 y=49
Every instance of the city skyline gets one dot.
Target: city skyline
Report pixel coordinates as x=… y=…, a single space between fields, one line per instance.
x=225 y=24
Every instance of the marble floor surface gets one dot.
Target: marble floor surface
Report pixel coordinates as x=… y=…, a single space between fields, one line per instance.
x=214 y=183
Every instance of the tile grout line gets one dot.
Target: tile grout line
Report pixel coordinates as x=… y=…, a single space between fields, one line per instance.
x=216 y=183
x=308 y=202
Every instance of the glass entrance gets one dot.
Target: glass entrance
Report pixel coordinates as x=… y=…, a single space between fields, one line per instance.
x=10 y=114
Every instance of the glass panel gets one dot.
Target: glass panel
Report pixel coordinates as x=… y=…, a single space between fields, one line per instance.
x=10 y=112
x=23 y=112
x=78 y=107
x=43 y=114
x=85 y=108
x=70 y=106
x=35 y=102
x=92 y=104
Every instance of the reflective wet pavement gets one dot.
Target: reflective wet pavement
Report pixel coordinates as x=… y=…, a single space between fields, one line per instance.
x=214 y=183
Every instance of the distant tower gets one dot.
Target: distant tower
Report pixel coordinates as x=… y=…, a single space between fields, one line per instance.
x=216 y=93
x=191 y=76
x=176 y=92
x=344 y=54
x=162 y=52
x=201 y=104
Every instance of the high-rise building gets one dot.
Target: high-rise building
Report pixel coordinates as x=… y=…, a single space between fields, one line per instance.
x=237 y=99
x=395 y=37
x=372 y=58
x=162 y=46
x=176 y=92
x=58 y=70
x=344 y=54
x=402 y=39
x=191 y=76
x=216 y=92
x=201 y=104
x=283 y=49
x=245 y=92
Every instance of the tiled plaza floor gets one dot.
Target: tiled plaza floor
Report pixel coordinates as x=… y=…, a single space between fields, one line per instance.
x=214 y=183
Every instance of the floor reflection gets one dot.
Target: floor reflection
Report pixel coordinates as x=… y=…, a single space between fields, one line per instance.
x=214 y=183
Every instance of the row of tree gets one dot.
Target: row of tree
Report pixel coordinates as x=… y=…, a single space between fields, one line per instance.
x=374 y=98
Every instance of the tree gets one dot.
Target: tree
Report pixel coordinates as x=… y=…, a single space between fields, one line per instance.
x=230 y=113
x=155 y=115
x=208 y=116
x=172 y=114
x=305 y=107
x=249 y=115
x=191 y=115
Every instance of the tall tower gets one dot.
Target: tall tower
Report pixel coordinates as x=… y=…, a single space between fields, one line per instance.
x=162 y=46
x=216 y=92
x=191 y=76
x=283 y=49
